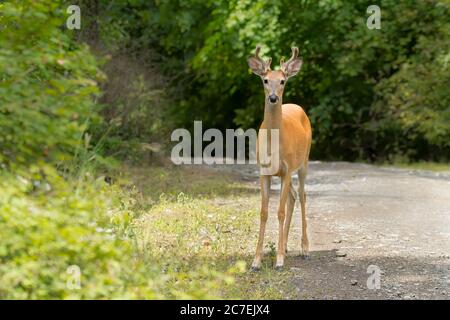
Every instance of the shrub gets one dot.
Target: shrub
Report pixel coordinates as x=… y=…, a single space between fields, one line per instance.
x=47 y=84
x=48 y=224
x=355 y=83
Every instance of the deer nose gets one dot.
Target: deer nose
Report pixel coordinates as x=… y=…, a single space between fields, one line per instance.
x=273 y=98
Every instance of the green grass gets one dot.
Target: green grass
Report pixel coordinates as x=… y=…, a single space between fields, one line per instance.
x=51 y=224
x=198 y=224
x=160 y=232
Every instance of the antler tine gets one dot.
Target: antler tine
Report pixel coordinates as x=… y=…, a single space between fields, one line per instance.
x=265 y=63
x=294 y=53
x=257 y=50
x=293 y=57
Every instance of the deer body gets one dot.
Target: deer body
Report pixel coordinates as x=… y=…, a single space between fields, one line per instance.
x=294 y=135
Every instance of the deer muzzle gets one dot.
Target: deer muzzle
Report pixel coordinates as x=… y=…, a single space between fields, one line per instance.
x=273 y=98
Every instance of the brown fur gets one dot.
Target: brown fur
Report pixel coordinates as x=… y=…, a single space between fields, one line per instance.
x=294 y=147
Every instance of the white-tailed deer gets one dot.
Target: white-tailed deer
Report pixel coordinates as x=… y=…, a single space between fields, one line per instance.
x=294 y=134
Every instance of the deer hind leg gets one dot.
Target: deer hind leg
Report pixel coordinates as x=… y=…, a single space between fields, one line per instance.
x=265 y=192
x=302 y=195
x=289 y=211
x=285 y=190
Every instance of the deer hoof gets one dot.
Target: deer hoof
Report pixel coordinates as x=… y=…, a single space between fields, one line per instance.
x=255 y=268
x=305 y=256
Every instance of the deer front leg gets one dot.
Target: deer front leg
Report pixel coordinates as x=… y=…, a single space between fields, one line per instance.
x=290 y=209
x=265 y=190
x=285 y=189
x=302 y=194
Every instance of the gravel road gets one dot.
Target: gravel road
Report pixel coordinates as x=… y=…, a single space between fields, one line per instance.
x=368 y=223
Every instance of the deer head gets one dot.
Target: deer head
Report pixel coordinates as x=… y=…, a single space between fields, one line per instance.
x=275 y=80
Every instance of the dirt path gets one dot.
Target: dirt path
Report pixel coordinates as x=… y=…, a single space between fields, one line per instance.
x=361 y=215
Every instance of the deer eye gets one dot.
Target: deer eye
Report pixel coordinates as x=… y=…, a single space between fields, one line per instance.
x=282 y=82
x=266 y=81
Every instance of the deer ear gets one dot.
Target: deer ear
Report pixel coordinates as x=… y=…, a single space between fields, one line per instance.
x=257 y=66
x=293 y=67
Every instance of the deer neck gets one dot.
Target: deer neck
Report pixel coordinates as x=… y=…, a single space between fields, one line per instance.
x=272 y=115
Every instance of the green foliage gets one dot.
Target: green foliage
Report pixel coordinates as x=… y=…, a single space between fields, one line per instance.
x=371 y=94
x=47 y=227
x=355 y=83
x=47 y=84
x=134 y=109
x=49 y=224
x=416 y=99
